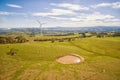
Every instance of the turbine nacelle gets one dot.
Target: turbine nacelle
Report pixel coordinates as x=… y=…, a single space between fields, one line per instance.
x=40 y=26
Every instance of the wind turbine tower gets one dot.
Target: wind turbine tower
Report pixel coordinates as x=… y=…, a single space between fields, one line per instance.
x=40 y=26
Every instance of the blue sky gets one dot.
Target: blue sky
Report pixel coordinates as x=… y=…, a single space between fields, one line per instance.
x=64 y=13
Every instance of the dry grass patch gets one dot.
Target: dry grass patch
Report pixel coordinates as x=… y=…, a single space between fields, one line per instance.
x=70 y=59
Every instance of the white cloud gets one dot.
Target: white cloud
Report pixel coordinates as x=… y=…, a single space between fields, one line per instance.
x=116 y=5
x=74 y=7
x=112 y=5
x=14 y=5
x=6 y=13
x=42 y=14
x=101 y=5
x=87 y=17
x=97 y=16
x=62 y=11
x=112 y=20
x=83 y=23
x=94 y=19
x=58 y=18
x=71 y=18
x=11 y=13
x=55 y=12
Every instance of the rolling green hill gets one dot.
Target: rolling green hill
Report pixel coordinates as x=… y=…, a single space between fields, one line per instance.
x=37 y=60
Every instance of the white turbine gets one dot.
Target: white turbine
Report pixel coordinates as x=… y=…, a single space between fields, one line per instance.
x=40 y=26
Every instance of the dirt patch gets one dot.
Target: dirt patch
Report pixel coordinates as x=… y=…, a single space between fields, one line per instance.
x=70 y=59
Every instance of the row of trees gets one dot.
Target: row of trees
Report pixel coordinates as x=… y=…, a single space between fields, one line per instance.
x=58 y=39
x=18 y=39
x=109 y=34
x=100 y=34
x=65 y=34
x=21 y=39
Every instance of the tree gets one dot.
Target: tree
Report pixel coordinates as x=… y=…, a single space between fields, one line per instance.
x=83 y=35
x=32 y=34
x=3 y=40
x=12 y=52
x=10 y=40
x=69 y=39
x=21 y=39
x=52 y=40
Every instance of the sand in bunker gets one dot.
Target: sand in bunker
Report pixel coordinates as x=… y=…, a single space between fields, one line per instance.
x=70 y=59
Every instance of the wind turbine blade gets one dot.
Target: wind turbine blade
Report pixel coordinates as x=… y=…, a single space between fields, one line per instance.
x=38 y=21
x=43 y=23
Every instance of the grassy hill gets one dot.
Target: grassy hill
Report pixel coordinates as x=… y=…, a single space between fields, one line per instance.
x=37 y=60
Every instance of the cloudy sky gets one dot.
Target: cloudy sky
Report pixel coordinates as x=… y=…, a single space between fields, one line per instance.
x=64 y=13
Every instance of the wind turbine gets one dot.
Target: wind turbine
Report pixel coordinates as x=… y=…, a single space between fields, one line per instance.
x=41 y=24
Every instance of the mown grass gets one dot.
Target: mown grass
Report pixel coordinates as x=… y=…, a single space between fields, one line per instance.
x=36 y=60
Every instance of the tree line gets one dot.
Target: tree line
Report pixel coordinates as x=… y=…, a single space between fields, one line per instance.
x=18 y=39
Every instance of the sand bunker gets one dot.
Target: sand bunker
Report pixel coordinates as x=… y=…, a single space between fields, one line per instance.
x=70 y=59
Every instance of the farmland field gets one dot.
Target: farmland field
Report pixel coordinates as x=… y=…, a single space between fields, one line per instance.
x=37 y=60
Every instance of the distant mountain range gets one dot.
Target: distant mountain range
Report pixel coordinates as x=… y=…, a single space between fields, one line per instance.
x=84 y=29
x=67 y=29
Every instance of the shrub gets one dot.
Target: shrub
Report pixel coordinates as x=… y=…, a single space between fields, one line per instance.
x=12 y=52
x=52 y=40
x=61 y=40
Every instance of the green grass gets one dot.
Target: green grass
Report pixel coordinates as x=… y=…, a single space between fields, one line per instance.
x=36 y=60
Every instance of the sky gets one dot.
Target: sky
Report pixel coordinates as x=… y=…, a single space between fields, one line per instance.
x=59 y=13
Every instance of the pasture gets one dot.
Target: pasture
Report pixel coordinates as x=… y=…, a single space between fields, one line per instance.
x=37 y=60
